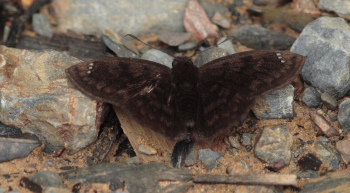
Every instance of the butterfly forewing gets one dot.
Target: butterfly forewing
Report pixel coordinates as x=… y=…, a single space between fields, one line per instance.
x=138 y=86
x=229 y=85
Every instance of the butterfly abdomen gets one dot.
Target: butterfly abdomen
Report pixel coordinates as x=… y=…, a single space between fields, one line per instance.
x=187 y=106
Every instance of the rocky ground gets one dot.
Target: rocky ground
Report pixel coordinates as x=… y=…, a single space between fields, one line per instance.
x=56 y=139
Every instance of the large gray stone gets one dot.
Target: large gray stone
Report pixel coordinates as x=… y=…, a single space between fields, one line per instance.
x=36 y=97
x=133 y=16
x=326 y=44
x=341 y=7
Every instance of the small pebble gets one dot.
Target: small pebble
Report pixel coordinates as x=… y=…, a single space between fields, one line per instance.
x=329 y=101
x=148 y=150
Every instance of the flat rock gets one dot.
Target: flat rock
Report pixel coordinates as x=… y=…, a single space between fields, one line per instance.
x=114 y=42
x=128 y=17
x=37 y=98
x=142 y=178
x=334 y=182
x=174 y=38
x=17 y=146
x=257 y=37
x=155 y=55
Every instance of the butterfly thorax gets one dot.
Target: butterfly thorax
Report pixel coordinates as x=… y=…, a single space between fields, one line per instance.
x=185 y=95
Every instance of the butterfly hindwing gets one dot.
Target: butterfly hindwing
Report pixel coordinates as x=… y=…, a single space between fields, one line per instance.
x=140 y=87
x=230 y=85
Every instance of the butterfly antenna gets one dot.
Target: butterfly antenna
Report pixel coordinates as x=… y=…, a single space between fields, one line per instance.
x=136 y=38
x=196 y=48
x=227 y=39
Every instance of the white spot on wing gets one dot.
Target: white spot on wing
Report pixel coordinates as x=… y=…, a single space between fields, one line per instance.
x=89 y=72
x=279 y=56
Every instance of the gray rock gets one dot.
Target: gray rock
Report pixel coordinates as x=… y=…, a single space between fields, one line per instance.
x=47 y=179
x=210 y=8
x=344 y=115
x=221 y=20
x=36 y=97
x=326 y=66
x=93 y=17
x=209 y=158
x=234 y=142
x=246 y=139
x=274 y=145
x=328 y=155
x=209 y=55
x=227 y=45
x=2 y=190
x=277 y=104
x=7 y=130
x=174 y=38
x=187 y=46
x=340 y=7
x=333 y=182
x=18 y=146
x=158 y=56
x=114 y=43
x=41 y=25
x=308 y=174
x=257 y=37
x=312 y=97
x=329 y=101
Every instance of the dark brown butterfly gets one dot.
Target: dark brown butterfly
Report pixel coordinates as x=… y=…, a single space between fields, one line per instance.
x=186 y=101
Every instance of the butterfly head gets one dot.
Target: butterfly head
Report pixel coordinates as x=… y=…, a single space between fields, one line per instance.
x=184 y=73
